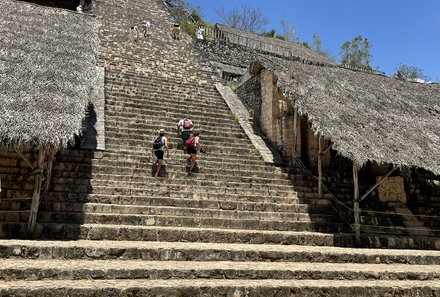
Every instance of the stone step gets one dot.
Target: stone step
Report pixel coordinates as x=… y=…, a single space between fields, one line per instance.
x=177 y=190
x=293 y=214
x=184 y=182
x=209 y=140
x=197 y=251
x=213 y=149
x=148 y=130
x=302 y=222
x=221 y=287
x=120 y=99
x=154 y=123
x=129 y=159
x=71 y=202
x=161 y=233
x=43 y=269
x=169 y=118
x=218 y=154
x=119 y=203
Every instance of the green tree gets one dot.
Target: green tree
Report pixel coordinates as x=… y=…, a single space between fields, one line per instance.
x=356 y=53
x=317 y=42
x=245 y=18
x=409 y=72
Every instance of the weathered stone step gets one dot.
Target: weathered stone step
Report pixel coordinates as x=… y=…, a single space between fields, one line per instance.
x=218 y=179
x=67 y=201
x=195 y=251
x=302 y=222
x=214 y=148
x=39 y=269
x=177 y=190
x=218 y=154
x=194 y=185
x=147 y=130
x=297 y=213
x=168 y=117
x=210 y=127
x=119 y=99
x=72 y=163
x=203 y=234
x=130 y=79
x=143 y=169
x=221 y=287
x=117 y=203
x=208 y=138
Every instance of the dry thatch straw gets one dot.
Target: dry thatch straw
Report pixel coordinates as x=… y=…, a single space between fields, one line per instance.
x=271 y=45
x=366 y=116
x=47 y=61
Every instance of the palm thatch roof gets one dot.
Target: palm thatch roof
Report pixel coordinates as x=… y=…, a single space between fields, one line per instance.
x=366 y=116
x=272 y=45
x=47 y=60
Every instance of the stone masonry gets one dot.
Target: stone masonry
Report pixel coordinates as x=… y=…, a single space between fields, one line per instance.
x=236 y=227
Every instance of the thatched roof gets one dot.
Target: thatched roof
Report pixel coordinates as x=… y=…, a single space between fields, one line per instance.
x=366 y=116
x=272 y=45
x=47 y=60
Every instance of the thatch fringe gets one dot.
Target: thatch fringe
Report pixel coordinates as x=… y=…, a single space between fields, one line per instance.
x=47 y=60
x=368 y=117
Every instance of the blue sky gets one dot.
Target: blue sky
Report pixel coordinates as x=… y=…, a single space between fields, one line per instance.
x=400 y=31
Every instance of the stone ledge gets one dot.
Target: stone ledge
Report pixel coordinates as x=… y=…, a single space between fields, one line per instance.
x=242 y=114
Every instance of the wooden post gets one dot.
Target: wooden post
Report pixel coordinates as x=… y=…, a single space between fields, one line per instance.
x=357 y=230
x=319 y=166
x=48 y=178
x=37 y=190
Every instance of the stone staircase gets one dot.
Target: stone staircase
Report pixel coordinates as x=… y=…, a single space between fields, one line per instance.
x=237 y=227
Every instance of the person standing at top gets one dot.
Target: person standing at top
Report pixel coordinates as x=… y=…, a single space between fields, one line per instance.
x=160 y=145
x=134 y=33
x=175 y=32
x=146 y=26
x=184 y=127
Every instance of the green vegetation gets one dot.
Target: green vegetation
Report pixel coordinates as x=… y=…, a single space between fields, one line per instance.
x=409 y=72
x=356 y=53
x=234 y=118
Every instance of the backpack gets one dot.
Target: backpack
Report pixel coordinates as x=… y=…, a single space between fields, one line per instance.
x=189 y=143
x=187 y=124
x=157 y=144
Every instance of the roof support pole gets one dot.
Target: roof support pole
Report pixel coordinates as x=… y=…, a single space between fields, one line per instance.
x=37 y=189
x=357 y=227
x=319 y=166
x=48 y=177
x=378 y=183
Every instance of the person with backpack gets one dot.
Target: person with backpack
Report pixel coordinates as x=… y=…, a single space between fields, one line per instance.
x=193 y=145
x=160 y=145
x=184 y=126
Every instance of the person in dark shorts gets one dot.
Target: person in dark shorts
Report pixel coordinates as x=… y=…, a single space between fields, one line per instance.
x=160 y=145
x=192 y=146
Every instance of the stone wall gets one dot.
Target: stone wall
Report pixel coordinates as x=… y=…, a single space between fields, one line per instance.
x=391 y=189
x=250 y=95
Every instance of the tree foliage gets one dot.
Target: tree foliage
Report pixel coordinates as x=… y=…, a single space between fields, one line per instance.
x=356 y=53
x=245 y=18
x=409 y=72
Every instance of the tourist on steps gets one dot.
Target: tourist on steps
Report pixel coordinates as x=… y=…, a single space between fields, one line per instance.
x=184 y=127
x=192 y=146
x=160 y=144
